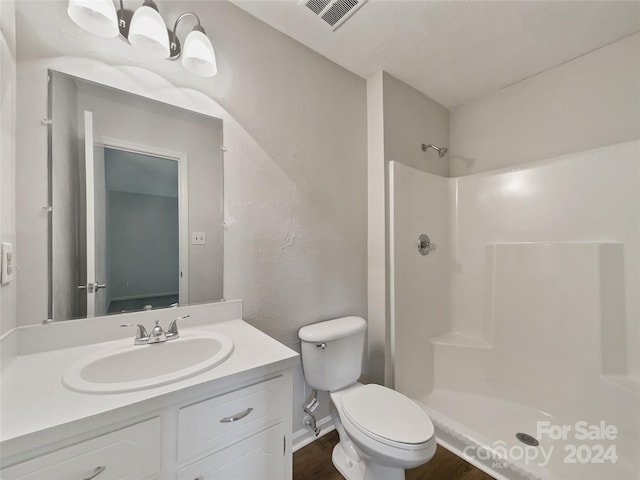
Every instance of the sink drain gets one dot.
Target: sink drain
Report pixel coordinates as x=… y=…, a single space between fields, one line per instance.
x=527 y=439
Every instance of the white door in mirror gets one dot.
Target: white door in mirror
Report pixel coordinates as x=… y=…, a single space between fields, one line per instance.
x=8 y=263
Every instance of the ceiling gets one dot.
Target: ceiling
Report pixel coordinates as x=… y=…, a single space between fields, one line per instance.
x=455 y=51
x=452 y=51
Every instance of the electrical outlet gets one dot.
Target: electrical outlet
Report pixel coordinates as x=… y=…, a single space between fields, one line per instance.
x=198 y=238
x=7 y=263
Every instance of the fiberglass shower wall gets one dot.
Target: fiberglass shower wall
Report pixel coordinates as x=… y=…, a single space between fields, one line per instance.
x=532 y=294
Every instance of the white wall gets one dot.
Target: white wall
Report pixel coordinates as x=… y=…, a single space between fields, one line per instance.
x=7 y=154
x=295 y=173
x=411 y=119
x=591 y=101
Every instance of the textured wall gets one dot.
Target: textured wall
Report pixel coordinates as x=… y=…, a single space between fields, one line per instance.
x=591 y=101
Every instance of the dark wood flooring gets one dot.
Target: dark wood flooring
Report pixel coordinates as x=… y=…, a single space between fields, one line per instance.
x=313 y=462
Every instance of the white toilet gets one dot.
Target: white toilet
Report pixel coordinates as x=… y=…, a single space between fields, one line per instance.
x=382 y=432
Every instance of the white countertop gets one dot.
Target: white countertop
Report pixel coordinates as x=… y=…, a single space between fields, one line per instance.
x=36 y=409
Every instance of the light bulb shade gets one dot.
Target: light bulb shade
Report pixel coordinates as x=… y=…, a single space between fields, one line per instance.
x=148 y=32
x=95 y=16
x=198 y=56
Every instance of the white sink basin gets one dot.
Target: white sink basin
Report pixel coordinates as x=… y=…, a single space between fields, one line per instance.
x=126 y=367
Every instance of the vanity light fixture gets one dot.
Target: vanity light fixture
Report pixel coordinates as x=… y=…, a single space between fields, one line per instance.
x=146 y=30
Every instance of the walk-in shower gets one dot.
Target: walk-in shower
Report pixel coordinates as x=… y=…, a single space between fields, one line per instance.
x=519 y=334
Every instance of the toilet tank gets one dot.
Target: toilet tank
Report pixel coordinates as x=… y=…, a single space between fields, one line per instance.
x=332 y=352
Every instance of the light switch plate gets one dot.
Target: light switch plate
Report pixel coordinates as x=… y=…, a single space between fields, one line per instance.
x=198 y=238
x=7 y=262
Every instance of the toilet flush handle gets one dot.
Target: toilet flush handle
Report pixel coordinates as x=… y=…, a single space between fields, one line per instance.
x=323 y=346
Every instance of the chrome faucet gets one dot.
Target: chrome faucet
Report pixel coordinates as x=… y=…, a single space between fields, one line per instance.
x=158 y=335
x=142 y=337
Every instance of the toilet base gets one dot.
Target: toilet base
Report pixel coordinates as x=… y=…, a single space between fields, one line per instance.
x=348 y=468
x=351 y=470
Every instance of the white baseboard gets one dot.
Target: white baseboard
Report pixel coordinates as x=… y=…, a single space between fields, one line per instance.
x=305 y=436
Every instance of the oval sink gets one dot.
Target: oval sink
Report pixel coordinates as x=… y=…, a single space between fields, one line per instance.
x=128 y=367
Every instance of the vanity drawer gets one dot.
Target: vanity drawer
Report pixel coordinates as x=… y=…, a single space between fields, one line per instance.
x=215 y=423
x=131 y=453
x=259 y=457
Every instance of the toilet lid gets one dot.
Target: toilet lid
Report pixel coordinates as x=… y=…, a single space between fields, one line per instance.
x=387 y=414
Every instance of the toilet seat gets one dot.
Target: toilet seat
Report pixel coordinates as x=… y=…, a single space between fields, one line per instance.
x=387 y=416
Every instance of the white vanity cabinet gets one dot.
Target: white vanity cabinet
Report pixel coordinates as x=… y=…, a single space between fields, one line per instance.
x=130 y=453
x=230 y=422
x=238 y=433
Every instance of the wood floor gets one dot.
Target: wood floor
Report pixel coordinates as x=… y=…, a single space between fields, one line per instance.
x=313 y=462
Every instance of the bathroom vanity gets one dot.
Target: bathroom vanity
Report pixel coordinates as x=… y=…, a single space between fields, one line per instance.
x=232 y=421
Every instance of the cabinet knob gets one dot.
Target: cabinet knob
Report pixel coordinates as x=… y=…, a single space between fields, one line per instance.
x=95 y=473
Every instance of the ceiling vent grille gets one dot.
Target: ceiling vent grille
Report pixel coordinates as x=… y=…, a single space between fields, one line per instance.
x=334 y=12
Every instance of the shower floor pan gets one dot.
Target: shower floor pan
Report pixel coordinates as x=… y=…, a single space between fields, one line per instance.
x=482 y=430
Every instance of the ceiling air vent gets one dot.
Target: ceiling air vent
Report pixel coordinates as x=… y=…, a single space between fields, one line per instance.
x=334 y=12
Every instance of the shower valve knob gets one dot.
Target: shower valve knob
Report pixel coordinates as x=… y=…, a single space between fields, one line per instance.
x=425 y=245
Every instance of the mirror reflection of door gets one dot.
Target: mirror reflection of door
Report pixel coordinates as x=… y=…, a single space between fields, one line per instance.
x=95 y=275
x=132 y=224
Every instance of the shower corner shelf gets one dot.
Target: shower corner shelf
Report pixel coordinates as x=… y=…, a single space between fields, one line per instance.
x=455 y=339
x=626 y=382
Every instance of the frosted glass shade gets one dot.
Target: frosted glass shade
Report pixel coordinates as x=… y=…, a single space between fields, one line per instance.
x=198 y=56
x=148 y=32
x=95 y=16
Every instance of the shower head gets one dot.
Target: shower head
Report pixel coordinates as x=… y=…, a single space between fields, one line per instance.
x=442 y=151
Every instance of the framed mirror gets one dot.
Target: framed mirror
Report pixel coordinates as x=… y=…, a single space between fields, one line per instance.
x=136 y=192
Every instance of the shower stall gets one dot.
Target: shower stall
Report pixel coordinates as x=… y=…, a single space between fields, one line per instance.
x=520 y=334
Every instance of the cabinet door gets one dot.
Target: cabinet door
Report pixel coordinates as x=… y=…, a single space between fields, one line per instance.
x=259 y=457
x=131 y=453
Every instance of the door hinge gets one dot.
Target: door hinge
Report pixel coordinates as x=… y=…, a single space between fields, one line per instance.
x=284 y=445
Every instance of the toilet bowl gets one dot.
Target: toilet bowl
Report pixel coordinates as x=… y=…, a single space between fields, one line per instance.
x=382 y=432
x=389 y=432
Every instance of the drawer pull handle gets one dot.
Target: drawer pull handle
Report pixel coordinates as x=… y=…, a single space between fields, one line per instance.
x=96 y=472
x=235 y=418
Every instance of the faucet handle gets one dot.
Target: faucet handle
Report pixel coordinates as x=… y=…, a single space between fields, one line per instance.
x=141 y=333
x=173 y=327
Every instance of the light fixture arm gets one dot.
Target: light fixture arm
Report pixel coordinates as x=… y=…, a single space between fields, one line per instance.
x=124 y=21
x=174 y=43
